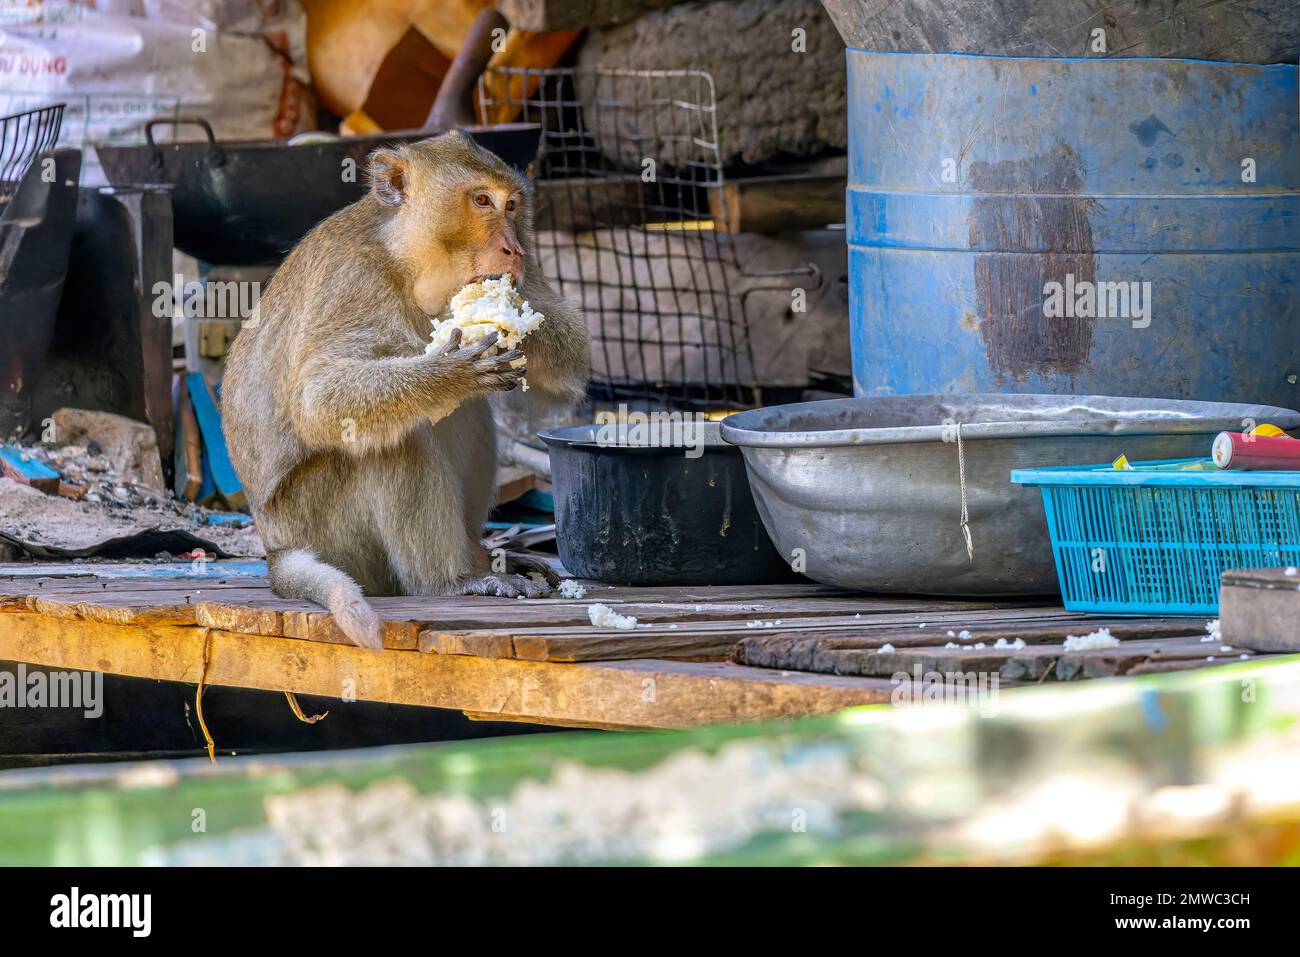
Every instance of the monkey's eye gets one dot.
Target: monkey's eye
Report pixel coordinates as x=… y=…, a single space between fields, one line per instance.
x=482 y=199
x=510 y=205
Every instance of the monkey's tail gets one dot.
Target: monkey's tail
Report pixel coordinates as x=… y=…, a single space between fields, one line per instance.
x=297 y=573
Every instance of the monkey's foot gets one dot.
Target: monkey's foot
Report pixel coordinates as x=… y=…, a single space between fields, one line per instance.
x=532 y=566
x=505 y=586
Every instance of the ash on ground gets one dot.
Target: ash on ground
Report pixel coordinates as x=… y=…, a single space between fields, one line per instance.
x=110 y=511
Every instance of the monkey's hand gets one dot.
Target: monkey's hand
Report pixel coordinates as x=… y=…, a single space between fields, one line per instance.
x=360 y=404
x=477 y=369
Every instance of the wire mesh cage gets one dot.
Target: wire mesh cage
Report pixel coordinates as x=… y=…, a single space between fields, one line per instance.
x=23 y=137
x=629 y=225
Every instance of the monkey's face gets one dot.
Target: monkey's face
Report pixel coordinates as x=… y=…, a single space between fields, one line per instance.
x=458 y=215
x=491 y=232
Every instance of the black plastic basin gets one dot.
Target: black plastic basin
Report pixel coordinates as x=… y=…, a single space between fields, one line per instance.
x=647 y=514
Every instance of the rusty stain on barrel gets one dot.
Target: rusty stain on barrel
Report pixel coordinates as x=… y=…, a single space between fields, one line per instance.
x=1009 y=288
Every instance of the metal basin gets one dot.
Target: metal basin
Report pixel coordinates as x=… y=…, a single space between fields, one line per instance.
x=869 y=488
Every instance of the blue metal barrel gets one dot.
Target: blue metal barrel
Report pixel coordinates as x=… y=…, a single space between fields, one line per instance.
x=1112 y=227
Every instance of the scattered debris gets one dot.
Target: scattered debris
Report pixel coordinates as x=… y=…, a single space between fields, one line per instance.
x=886 y=649
x=117 y=522
x=1101 y=638
x=602 y=616
x=571 y=589
x=104 y=495
x=123 y=447
x=1212 y=631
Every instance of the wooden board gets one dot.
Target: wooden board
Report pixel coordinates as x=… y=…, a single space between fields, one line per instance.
x=799 y=649
x=189 y=449
x=1260 y=608
x=214 y=442
x=695 y=634
x=1043 y=656
x=153 y=597
x=642 y=694
x=774 y=204
x=512 y=483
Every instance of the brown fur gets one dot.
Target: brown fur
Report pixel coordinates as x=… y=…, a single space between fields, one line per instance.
x=368 y=464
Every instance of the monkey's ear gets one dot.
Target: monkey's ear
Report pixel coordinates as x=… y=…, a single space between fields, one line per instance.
x=388 y=176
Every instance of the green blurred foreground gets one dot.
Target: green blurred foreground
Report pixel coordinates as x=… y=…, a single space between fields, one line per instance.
x=1196 y=767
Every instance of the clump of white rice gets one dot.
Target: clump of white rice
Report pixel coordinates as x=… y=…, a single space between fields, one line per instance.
x=571 y=589
x=1212 y=632
x=602 y=616
x=1101 y=638
x=485 y=307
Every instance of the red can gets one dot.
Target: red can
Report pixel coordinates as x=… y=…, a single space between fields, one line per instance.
x=1256 y=453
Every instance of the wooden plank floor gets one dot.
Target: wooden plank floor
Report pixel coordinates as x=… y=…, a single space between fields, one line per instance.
x=699 y=654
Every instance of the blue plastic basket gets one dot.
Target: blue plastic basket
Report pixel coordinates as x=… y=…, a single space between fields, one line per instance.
x=1155 y=542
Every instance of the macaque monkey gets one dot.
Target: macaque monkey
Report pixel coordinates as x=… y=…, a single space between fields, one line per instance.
x=369 y=465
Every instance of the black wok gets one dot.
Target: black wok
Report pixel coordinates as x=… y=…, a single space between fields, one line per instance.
x=250 y=202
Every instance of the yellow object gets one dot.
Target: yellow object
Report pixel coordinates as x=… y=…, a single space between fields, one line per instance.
x=1121 y=463
x=1268 y=430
